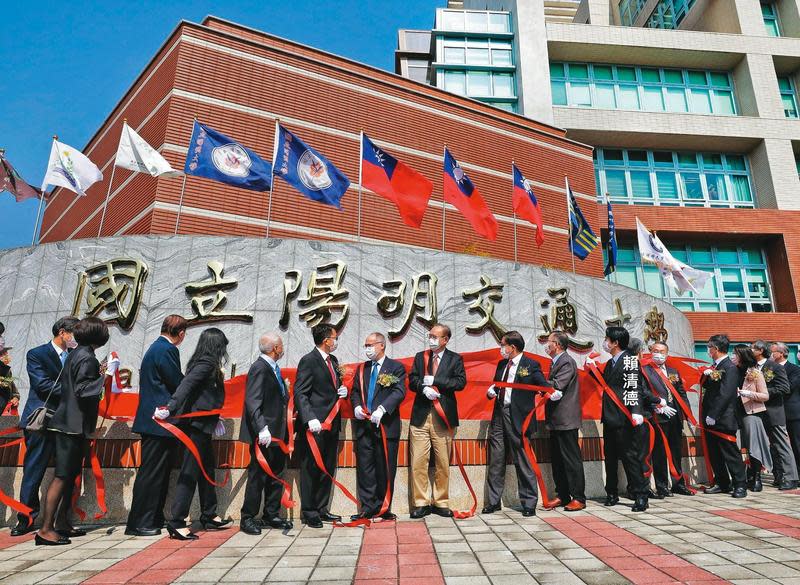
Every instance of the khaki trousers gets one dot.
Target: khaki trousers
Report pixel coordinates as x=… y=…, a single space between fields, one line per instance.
x=432 y=434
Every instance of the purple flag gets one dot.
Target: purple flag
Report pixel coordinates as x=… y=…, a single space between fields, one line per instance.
x=11 y=181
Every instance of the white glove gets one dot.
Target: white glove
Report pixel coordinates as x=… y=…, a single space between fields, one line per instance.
x=638 y=419
x=113 y=365
x=707 y=372
x=377 y=415
x=427 y=380
x=556 y=395
x=264 y=437
x=314 y=425
x=219 y=430
x=662 y=403
x=161 y=413
x=590 y=362
x=667 y=411
x=710 y=422
x=746 y=393
x=491 y=392
x=342 y=391
x=359 y=412
x=430 y=393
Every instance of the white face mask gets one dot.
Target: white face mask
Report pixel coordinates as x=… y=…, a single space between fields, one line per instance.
x=279 y=356
x=504 y=352
x=370 y=351
x=433 y=342
x=606 y=346
x=72 y=344
x=735 y=360
x=335 y=344
x=659 y=358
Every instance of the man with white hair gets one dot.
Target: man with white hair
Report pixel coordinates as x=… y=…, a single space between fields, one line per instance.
x=264 y=419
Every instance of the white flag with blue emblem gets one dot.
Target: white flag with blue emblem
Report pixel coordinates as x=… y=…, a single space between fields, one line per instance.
x=137 y=155
x=676 y=274
x=71 y=169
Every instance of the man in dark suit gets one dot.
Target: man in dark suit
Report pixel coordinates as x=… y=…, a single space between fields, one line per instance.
x=563 y=416
x=511 y=407
x=317 y=388
x=791 y=403
x=667 y=414
x=264 y=419
x=160 y=375
x=44 y=364
x=621 y=440
x=719 y=408
x=778 y=388
x=437 y=374
x=376 y=397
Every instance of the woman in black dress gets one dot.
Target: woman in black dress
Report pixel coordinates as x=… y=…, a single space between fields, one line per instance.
x=73 y=422
x=202 y=389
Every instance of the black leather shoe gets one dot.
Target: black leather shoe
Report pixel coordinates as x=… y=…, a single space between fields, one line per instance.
x=71 y=532
x=250 y=526
x=312 y=522
x=176 y=534
x=611 y=500
x=44 y=542
x=491 y=509
x=777 y=480
x=758 y=486
x=739 y=492
x=142 y=531
x=640 y=504
x=211 y=524
x=361 y=516
x=787 y=485
x=277 y=522
x=388 y=516
x=328 y=517
x=655 y=495
x=420 y=512
x=715 y=489
x=21 y=529
x=682 y=490
x=443 y=512
x=528 y=512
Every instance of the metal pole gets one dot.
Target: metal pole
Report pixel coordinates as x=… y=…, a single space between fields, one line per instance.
x=514 y=215
x=41 y=203
x=105 y=205
x=180 y=205
x=360 y=178
x=444 y=211
x=272 y=179
x=569 y=222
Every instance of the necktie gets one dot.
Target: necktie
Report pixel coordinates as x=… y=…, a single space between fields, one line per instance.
x=435 y=363
x=333 y=374
x=280 y=380
x=669 y=392
x=373 y=378
x=63 y=357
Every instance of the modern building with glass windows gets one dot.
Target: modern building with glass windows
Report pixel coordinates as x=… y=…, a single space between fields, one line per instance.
x=692 y=109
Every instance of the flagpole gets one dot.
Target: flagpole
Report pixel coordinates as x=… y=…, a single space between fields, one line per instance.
x=444 y=211
x=569 y=222
x=180 y=204
x=360 y=178
x=41 y=203
x=514 y=213
x=272 y=178
x=111 y=182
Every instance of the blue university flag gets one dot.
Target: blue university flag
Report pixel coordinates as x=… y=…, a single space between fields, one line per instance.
x=611 y=244
x=307 y=170
x=582 y=238
x=215 y=156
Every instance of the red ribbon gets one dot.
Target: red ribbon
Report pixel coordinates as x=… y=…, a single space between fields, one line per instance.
x=5 y=499
x=387 y=498
x=286 y=496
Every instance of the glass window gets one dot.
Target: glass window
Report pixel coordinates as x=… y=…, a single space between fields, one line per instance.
x=455 y=82
x=626 y=73
x=604 y=72
x=653 y=99
x=501 y=57
x=788 y=97
x=454 y=55
x=578 y=71
x=663 y=159
x=557 y=70
x=477 y=21
x=503 y=84
x=676 y=99
x=628 y=97
x=719 y=79
x=615 y=184
x=667 y=185
x=478 y=83
x=606 y=96
x=722 y=102
x=498 y=22
x=559 y=89
x=452 y=20
x=637 y=158
x=579 y=94
x=650 y=75
x=477 y=56
x=692 y=189
x=696 y=77
x=700 y=100
x=640 y=184
x=716 y=187
x=732 y=284
x=673 y=76
x=770 y=15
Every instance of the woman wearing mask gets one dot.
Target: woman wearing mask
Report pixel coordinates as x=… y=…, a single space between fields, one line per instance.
x=202 y=389
x=753 y=394
x=74 y=421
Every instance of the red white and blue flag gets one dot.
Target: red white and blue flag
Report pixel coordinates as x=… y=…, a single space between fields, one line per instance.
x=395 y=181
x=526 y=205
x=460 y=192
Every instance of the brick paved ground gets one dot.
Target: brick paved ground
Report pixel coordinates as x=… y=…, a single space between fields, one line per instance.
x=695 y=540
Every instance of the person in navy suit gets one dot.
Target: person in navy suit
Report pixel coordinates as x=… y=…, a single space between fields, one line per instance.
x=160 y=376
x=44 y=364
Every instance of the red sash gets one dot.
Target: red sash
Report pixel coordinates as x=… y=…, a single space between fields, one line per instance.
x=5 y=499
x=387 y=498
x=287 y=448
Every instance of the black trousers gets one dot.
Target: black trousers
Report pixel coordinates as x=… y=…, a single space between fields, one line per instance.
x=315 y=486
x=726 y=461
x=260 y=487
x=673 y=431
x=152 y=481
x=567 y=463
x=625 y=444
x=371 y=469
x=793 y=428
x=191 y=477
x=39 y=447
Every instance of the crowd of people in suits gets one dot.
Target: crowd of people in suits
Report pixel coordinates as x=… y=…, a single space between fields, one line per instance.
x=754 y=390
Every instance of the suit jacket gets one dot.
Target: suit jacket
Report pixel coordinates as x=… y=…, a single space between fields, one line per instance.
x=10 y=391
x=791 y=404
x=202 y=388
x=81 y=389
x=614 y=375
x=778 y=387
x=450 y=378
x=657 y=389
x=160 y=375
x=264 y=403
x=389 y=396
x=564 y=414
x=720 y=398
x=522 y=401
x=43 y=369
x=314 y=390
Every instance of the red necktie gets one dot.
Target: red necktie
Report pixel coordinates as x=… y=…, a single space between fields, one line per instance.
x=330 y=369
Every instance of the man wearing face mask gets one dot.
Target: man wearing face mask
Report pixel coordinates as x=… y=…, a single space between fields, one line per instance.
x=44 y=364
x=511 y=407
x=264 y=419
x=376 y=397
x=669 y=417
x=437 y=374
x=317 y=388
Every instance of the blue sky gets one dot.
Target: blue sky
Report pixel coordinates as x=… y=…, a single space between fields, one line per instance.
x=65 y=65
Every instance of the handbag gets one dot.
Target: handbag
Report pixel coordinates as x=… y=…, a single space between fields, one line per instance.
x=39 y=419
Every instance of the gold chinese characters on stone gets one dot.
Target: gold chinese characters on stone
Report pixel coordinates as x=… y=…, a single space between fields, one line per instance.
x=563 y=317
x=483 y=300
x=422 y=302
x=325 y=301
x=208 y=298
x=112 y=290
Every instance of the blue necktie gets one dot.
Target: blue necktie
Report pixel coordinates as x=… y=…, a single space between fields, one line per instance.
x=63 y=358
x=373 y=377
x=280 y=380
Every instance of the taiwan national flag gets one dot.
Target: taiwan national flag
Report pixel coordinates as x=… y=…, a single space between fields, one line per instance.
x=459 y=191
x=525 y=204
x=395 y=181
x=307 y=170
